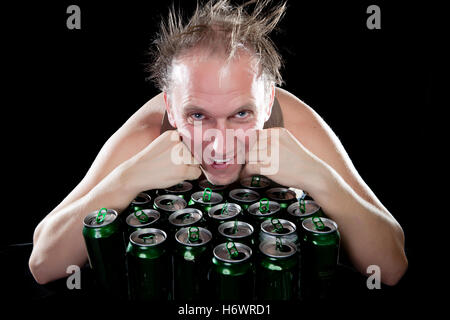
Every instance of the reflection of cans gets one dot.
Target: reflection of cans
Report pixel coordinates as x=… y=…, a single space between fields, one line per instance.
x=231 y=275
x=274 y=229
x=184 y=218
x=244 y=197
x=283 y=196
x=106 y=252
x=223 y=212
x=311 y=209
x=183 y=190
x=203 y=184
x=320 y=252
x=277 y=271
x=167 y=204
x=190 y=261
x=141 y=219
x=256 y=182
x=204 y=200
x=257 y=215
x=237 y=231
x=149 y=274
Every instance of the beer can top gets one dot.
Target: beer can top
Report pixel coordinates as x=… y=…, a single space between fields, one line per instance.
x=134 y=222
x=170 y=202
x=203 y=184
x=184 y=186
x=244 y=195
x=142 y=198
x=271 y=227
x=274 y=250
x=221 y=253
x=107 y=217
x=148 y=237
x=280 y=194
x=255 y=182
x=329 y=226
x=272 y=208
x=203 y=197
x=224 y=211
x=235 y=229
x=184 y=236
x=185 y=217
x=311 y=207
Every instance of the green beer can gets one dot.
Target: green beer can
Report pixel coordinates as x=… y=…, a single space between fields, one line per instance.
x=302 y=210
x=261 y=211
x=244 y=197
x=274 y=229
x=146 y=218
x=256 y=182
x=231 y=274
x=205 y=200
x=277 y=271
x=283 y=196
x=149 y=267
x=320 y=252
x=167 y=204
x=103 y=237
x=223 y=212
x=220 y=189
x=237 y=231
x=191 y=262
x=182 y=189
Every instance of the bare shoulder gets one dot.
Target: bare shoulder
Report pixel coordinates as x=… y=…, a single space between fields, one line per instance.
x=315 y=134
x=301 y=120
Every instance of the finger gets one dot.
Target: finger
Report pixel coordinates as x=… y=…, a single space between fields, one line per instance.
x=193 y=173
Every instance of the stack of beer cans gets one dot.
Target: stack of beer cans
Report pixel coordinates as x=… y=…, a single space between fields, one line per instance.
x=252 y=240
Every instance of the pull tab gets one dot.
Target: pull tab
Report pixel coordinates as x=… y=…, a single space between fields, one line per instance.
x=279 y=244
x=224 y=208
x=140 y=215
x=185 y=216
x=194 y=234
x=207 y=194
x=301 y=203
x=318 y=223
x=148 y=237
x=255 y=181
x=276 y=224
x=264 y=207
x=235 y=227
x=101 y=215
x=231 y=248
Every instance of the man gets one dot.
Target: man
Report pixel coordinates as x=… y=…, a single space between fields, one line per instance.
x=220 y=70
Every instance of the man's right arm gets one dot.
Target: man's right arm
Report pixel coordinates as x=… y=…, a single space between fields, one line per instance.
x=131 y=161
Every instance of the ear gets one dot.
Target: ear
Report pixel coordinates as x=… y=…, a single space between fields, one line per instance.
x=167 y=104
x=270 y=102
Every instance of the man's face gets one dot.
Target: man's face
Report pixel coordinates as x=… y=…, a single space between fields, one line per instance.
x=219 y=96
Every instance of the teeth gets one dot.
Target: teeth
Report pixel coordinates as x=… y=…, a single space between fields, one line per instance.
x=222 y=161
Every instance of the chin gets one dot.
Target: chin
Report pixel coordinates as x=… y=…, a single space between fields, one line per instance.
x=223 y=178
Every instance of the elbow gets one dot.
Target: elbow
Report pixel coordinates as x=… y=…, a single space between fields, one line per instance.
x=396 y=272
x=38 y=268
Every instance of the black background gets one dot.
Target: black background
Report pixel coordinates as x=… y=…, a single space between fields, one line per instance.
x=67 y=91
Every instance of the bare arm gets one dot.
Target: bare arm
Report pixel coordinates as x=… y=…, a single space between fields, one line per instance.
x=370 y=233
x=110 y=182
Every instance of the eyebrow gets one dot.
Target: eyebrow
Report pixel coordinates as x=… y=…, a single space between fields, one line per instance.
x=194 y=109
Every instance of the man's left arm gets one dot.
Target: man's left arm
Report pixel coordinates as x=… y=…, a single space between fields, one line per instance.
x=308 y=147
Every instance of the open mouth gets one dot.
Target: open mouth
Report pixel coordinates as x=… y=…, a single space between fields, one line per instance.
x=221 y=163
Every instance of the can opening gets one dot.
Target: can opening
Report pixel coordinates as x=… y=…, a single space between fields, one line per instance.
x=167 y=202
x=147 y=237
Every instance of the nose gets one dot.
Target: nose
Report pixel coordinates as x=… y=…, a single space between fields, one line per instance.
x=223 y=145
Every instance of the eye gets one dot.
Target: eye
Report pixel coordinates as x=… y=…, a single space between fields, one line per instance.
x=242 y=114
x=197 y=116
